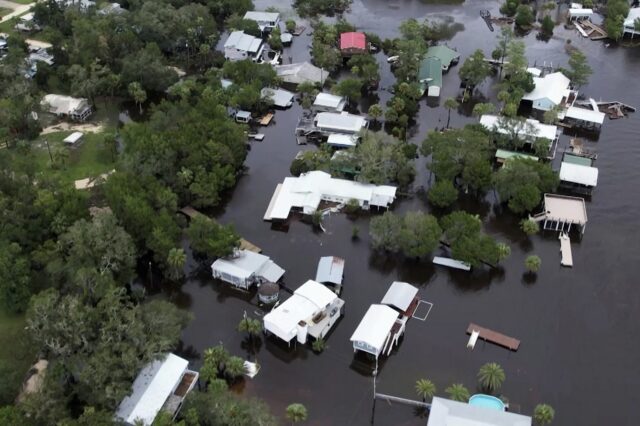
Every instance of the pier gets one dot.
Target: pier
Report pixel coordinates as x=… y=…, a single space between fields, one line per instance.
x=565 y=250
x=494 y=337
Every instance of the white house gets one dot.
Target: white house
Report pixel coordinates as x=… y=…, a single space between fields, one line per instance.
x=528 y=130
x=27 y=23
x=629 y=26
x=305 y=193
x=401 y=296
x=579 y=177
x=278 y=97
x=378 y=331
x=340 y=122
x=161 y=385
x=330 y=270
x=550 y=91
x=246 y=268
x=578 y=14
x=326 y=102
x=453 y=413
x=66 y=106
x=240 y=46
x=267 y=21
x=301 y=72
x=312 y=310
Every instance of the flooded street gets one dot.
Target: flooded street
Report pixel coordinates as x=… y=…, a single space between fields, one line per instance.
x=577 y=325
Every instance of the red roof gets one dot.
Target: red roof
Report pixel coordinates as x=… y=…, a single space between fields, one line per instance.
x=353 y=41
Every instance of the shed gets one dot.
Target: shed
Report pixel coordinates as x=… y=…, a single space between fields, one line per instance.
x=374 y=329
x=400 y=296
x=242 y=116
x=453 y=413
x=286 y=38
x=445 y=54
x=301 y=72
x=330 y=270
x=340 y=140
x=579 y=174
x=279 y=97
x=340 y=123
x=430 y=76
x=246 y=268
x=73 y=138
x=268 y=292
x=329 y=103
x=353 y=43
x=577 y=14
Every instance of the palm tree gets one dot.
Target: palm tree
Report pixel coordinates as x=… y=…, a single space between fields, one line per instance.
x=251 y=326
x=176 y=259
x=213 y=358
x=458 y=392
x=491 y=376
x=138 y=94
x=296 y=412
x=450 y=104
x=234 y=367
x=532 y=263
x=375 y=112
x=425 y=389
x=543 y=414
x=319 y=345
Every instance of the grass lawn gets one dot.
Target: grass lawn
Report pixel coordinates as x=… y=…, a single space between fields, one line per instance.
x=22 y=1
x=16 y=355
x=7 y=27
x=4 y=11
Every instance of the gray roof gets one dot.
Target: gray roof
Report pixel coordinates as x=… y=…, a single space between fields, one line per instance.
x=330 y=270
x=445 y=412
x=241 y=41
x=400 y=295
x=300 y=72
x=279 y=97
x=262 y=16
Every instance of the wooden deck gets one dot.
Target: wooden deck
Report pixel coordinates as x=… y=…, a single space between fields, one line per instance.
x=264 y=121
x=494 y=337
x=246 y=245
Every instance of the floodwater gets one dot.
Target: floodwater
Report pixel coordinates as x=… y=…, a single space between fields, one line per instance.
x=578 y=326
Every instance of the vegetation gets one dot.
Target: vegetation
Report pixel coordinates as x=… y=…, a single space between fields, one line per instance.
x=442 y=193
x=296 y=413
x=547 y=26
x=580 y=70
x=474 y=70
x=449 y=104
x=251 y=326
x=509 y=7
x=521 y=183
x=375 y=112
x=532 y=263
x=425 y=389
x=524 y=16
x=529 y=226
x=209 y=238
x=415 y=234
x=616 y=13
x=319 y=345
x=458 y=392
x=543 y=414
x=311 y=8
x=290 y=25
x=491 y=376
x=350 y=88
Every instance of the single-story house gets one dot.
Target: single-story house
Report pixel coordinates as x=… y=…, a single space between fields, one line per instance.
x=446 y=55
x=584 y=117
x=73 y=138
x=528 y=129
x=240 y=46
x=301 y=72
x=27 y=23
x=551 y=90
x=267 y=21
x=77 y=109
x=245 y=268
x=401 y=296
x=377 y=332
x=561 y=213
x=278 y=97
x=242 y=116
x=161 y=385
x=453 y=413
x=430 y=76
x=312 y=310
x=341 y=140
x=579 y=178
x=305 y=193
x=629 y=26
x=502 y=155
x=330 y=270
x=353 y=43
x=326 y=102
x=343 y=122
x=40 y=55
x=578 y=14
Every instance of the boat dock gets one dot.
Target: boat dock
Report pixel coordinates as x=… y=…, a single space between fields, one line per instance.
x=565 y=250
x=593 y=31
x=494 y=337
x=451 y=263
x=266 y=119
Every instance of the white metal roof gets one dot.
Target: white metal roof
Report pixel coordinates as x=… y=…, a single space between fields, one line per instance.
x=565 y=208
x=552 y=86
x=584 y=114
x=61 y=104
x=400 y=295
x=375 y=326
x=580 y=12
x=300 y=72
x=309 y=299
x=245 y=263
x=342 y=140
x=445 y=412
x=532 y=128
x=262 y=16
x=451 y=263
x=634 y=13
x=328 y=100
x=73 y=137
x=330 y=270
x=151 y=388
x=340 y=122
x=241 y=41
x=279 y=97
x=576 y=173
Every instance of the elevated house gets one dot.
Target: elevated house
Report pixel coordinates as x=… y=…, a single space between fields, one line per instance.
x=430 y=76
x=377 y=332
x=446 y=412
x=330 y=272
x=353 y=43
x=324 y=124
x=246 y=268
x=326 y=102
x=305 y=193
x=77 y=109
x=562 y=213
x=579 y=178
x=584 y=117
x=162 y=385
x=267 y=21
x=301 y=72
x=312 y=310
x=240 y=46
x=550 y=91
x=629 y=25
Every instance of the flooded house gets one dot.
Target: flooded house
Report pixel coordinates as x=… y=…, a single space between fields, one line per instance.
x=526 y=131
x=246 y=268
x=445 y=54
x=629 y=25
x=562 y=213
x=353 y=43
x=301 y=72
x=578 y=175
x=326 y=102
x=483 y=413
x=550 y=91
x=162 y=385
x=267 y=21
x=278 y=97
x=240 y=46
x=430 y=76
x=330 y=272
x=312 y=310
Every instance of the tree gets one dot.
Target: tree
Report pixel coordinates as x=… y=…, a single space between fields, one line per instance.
x=442 y=193
x=532 y=263
x=509 y=7
x=15 y=278
x=425 y=389
x=543 y=414
x=296 y=413
x=137 y=93
x=521 y=183
x=234 y=367
x=319 y=345
x=350 y=88
x=547 y=26
x=468 y=244
x=420 y=234
x=481 y=109
x=110 y=142
x=530 y=227
x=491 y=376
x=617 y=12
x=176 y=260
x=251 y=326
x=274 y=40
x=385 y=232
x=449 y=104
x=474 y=70
x=375 y=112
x=207 y=237
x=290 y=25
x=580 y=69
x=458 y=392
x=214 y=358
x=524 y=16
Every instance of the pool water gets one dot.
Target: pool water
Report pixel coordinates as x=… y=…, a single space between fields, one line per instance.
x=487 y=401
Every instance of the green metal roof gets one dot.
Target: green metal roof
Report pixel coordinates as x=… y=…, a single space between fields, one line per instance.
x=503 y=154
x=445 y=54
x=430 y=73
x=575 y=159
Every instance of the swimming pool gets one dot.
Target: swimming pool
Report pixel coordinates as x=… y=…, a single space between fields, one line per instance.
x=487 y=401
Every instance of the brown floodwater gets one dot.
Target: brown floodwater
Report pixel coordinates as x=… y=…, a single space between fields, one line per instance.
x=578 y=326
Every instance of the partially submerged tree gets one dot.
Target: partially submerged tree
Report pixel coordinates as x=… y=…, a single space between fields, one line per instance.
x=474 y=70
x=543 y=414
x=579 y=68
x=491 y=376
x=521 y=183
x=532 y=263
x=442 y=193
x=425 y=389
x=458 y=392
x=296 y=413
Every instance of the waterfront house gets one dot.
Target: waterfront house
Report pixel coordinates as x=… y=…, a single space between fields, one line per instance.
x=312 y=310
x=326 y=102
x=301 y=72
x=77 y=109
x=245 y=268
x=402 y=297
x=278 y=97
x=430 y=76
x=353 y=43
x=340 y=123
x=306 y=192
x=453 y=413
x=578 y=178
x=562 y=213
x=584 y=117
x=162 y=385
x=240 y=46
x=377 y=332
x=629 y=25
x=267 y=21
x=330 y=272
x=550 y=91
x=446 y=55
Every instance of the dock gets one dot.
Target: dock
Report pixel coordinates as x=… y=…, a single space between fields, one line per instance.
x=391 y=398
x=594 y=31
x=266 y=119
x=246 y=245
x=451 y=263
x=494 y=337
x=565 y=250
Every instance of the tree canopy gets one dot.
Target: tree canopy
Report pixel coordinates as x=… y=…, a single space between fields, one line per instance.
x=521 y=183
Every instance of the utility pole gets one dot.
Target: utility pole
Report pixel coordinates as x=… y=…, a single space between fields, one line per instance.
x=46 y=142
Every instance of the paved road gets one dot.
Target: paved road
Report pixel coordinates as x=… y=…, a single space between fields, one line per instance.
x=18 y=9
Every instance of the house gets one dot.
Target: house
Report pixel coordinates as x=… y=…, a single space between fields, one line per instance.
x=453 y=413
x=330 y=271
x=402 y=297
x=446 y=55
x=584 y=117
x=242 y=116
x=267 y=21
x=73 y=138
x=561 y=213
x=278 y=97
x=245 y=268
x=353 y=43
x=161 y=385
x=527 y=131
x=305 y=193
x=77 y=109
x=629 y=25
x=550 y=91
x=430 y=76
x=377 y=332
x=340 y=123
x=578 y=14
x=579 y=178
x=301 y=72
x=40 y=55
x=82 y=5
x=240 y=46
x=27 y=23
x=326 y=102
x=340 y=140
x=312 y=310
x=502 y=155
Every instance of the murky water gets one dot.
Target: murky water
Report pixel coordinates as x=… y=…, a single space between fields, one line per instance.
x=578 y=326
